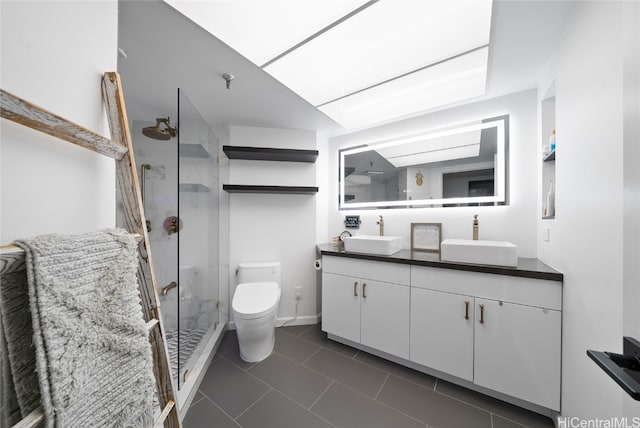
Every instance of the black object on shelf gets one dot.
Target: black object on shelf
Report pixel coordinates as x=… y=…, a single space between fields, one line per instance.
x=623 y=368
x=549 y=157
x=270 y=154
x=292 y=190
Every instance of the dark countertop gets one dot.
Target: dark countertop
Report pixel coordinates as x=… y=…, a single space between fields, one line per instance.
x=527 y=268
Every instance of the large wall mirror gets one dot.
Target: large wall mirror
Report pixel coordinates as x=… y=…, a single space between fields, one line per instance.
x=462 y=165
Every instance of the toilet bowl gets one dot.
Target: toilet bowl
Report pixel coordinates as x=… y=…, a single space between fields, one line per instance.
x=254 y=305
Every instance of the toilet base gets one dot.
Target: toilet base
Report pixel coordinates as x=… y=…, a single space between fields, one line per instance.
x=256 y=338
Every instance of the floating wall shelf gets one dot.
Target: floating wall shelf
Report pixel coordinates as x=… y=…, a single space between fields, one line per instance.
x=292 y=190
x=270 y=154
x=192 y=187
x=192 y=151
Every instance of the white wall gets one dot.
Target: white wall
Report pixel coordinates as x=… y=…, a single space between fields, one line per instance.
x=587 y=235
x=515 y=222
x=267 y=227
x=631 y=138
x=48 y=185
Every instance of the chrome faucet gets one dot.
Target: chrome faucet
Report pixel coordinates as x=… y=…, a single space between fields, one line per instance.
x=475 y=227
x=381 y=223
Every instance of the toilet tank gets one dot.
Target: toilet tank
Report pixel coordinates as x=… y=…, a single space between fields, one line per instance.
x=259 y=272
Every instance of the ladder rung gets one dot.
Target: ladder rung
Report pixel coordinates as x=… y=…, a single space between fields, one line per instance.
x=152 y=323
x=33 y=419
x=12 y=256
x=36 y=417
x=165 y=412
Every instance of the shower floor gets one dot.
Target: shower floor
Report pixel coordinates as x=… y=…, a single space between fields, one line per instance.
x=189 y=341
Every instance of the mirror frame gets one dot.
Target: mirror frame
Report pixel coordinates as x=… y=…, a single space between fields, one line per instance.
x=501 y=185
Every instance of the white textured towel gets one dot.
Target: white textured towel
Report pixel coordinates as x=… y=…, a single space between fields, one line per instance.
x=93 y=355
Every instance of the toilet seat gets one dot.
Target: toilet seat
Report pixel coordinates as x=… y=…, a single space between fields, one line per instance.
x=255 y=299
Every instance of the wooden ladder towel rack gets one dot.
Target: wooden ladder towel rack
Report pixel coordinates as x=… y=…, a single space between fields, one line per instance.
x=120 y=149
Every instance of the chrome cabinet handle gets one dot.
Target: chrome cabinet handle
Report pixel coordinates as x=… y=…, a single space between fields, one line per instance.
x=364 y=290
x=355 y=288
x=466 y=309
x=481 y=314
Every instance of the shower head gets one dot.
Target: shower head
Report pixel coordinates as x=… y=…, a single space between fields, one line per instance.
x=158 y=133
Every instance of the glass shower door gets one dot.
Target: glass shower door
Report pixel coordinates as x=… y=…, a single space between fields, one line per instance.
x=197 y=224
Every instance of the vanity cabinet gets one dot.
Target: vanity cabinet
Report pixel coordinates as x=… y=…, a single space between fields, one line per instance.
x=517 y=351
x=367 y=302
x=442 y=331
x=511 y=342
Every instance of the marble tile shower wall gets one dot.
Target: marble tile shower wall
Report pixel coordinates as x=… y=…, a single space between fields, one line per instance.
x=197 y=304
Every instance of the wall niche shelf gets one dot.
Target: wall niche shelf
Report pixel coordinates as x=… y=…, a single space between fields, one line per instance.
x=270 y=154
x=548 y=176
x=290 y=190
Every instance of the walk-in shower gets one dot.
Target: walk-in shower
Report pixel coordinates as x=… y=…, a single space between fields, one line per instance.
x=179 y=179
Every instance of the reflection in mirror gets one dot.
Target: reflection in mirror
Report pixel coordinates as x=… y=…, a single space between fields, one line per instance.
x=463 y=165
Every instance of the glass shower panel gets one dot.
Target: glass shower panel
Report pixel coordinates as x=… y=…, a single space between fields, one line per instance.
x=197 y=225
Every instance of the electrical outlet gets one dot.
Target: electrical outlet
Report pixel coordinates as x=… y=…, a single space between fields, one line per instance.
x=297 y=292
x=545 y=234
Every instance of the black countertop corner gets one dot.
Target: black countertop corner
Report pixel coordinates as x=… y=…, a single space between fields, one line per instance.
x=527 y=268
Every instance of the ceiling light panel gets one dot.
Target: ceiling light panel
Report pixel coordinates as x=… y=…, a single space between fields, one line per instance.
x=260 y=30
x=381 y=42
x=451 y=81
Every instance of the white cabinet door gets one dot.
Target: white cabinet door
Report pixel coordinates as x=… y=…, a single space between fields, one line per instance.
x=517 y=351
x=341 y=305
x=442 y=331
x=385 y=317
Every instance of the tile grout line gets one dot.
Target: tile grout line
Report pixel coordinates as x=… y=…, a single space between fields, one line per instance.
x=435 y=384
x=492 y=412
x=304 y=363
x=464 y=402
x=326 y=420
x=291 y=334
x=384 y=382
x=402 y=377
x=219 y=408
x=323 y=392
x=193 y=403
x=234 y=364
x=380 y=402
x=305 y=367
x=254 y=403
x=508 y=419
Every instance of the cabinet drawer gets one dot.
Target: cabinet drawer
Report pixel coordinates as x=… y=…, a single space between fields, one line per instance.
x=379 y=271
x=525 y=291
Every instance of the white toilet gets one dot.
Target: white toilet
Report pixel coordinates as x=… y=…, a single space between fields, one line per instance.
x=254 y=305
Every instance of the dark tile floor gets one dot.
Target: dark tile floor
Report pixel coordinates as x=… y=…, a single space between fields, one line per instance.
x=310 y=381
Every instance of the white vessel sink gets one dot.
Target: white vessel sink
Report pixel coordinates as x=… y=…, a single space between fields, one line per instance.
x=373 y=244
x=497 y=253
